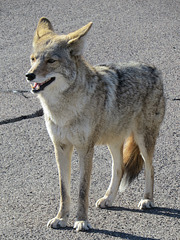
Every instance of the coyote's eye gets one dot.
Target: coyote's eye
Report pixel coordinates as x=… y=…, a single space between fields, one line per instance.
x=51 y=60
x=32 y=59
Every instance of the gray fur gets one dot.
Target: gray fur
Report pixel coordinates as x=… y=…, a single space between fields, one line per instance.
x=88 y=105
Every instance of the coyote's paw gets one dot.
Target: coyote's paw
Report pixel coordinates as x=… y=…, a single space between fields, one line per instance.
x=104 y=202
x=82 y=225
x=146 y=203
x=57 y=223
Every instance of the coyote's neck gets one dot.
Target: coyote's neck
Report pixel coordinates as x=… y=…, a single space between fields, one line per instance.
x=85 y=71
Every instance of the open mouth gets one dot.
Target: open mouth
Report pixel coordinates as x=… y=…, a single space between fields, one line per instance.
x=37 y=87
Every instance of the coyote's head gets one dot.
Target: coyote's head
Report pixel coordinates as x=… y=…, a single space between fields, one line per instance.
x=53 y=57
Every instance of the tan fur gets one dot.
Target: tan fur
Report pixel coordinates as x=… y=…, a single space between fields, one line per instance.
x=121 y=105
x=133 y=161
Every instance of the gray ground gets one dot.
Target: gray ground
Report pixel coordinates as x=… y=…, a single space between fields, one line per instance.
x=123 y=30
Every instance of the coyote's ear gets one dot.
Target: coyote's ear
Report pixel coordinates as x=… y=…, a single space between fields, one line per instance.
x=77 y=39
x=44 y=27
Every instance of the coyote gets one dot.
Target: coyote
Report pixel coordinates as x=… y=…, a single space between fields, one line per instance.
x=120 y=105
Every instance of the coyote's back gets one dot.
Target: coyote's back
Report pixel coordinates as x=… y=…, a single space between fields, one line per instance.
x=130 y=92
x=120 y=105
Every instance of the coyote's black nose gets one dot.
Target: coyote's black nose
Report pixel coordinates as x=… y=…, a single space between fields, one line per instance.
x=30 y=76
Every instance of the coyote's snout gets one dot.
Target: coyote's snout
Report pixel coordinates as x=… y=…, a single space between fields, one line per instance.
x=121 y=105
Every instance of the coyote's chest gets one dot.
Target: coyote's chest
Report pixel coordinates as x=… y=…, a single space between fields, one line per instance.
x=64 y=111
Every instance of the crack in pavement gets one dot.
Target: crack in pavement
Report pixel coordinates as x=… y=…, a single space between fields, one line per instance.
x=21 y=92
x=38 y=113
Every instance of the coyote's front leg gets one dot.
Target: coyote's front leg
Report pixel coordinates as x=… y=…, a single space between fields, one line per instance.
x=63 y=155
x=85 y=161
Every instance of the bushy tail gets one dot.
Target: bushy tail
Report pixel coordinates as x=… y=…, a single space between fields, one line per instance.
x=133 y=162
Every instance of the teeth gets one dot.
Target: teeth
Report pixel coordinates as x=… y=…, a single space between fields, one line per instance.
x=37 y=87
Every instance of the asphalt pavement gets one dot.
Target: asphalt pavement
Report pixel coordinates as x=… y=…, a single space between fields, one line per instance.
x=123 y=30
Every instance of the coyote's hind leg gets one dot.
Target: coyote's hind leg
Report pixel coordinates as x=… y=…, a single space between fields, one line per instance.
x=146 y=145
x=117 y=171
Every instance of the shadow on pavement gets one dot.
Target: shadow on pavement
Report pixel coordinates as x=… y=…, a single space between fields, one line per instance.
x=169 y=212
x=109 y=233
x=120 y=234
